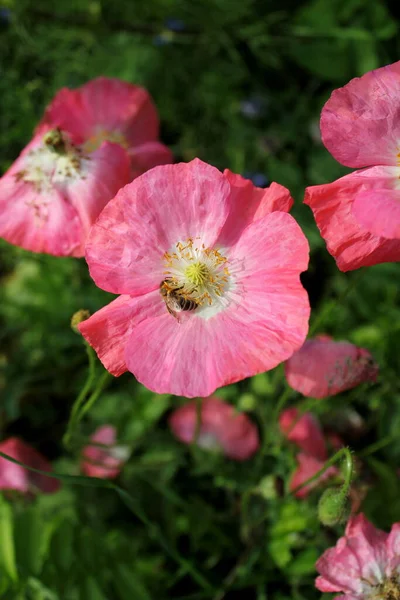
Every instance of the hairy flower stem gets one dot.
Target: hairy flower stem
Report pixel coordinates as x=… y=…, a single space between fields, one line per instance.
x=343 y=453
x=80 y=408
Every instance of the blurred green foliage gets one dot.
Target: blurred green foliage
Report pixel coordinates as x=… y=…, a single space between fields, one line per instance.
x=240 y=86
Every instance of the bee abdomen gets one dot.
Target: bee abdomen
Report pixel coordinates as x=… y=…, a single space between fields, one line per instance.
x=186 y=303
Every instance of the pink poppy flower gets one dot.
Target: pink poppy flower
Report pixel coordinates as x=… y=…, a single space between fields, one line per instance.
x=304 y=431
x=14 y=477
x=54 y=191
x=364 y=564
x=221 y=428
x=103 y=457
x=323 y=367
x=359 y=215
x=111 y=110
x=209 y=277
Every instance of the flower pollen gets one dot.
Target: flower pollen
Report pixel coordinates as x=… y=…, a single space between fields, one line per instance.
x=200 y=273
x=55 y=161
x=387 y=590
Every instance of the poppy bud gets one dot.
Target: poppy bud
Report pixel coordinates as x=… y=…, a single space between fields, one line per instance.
x=78 y=317
x=333 y=507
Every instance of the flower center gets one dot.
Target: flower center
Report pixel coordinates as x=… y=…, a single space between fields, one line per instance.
x=200 y=274
x=387 y=590
x=103 y=135
x=197 y=273
x=55 y=161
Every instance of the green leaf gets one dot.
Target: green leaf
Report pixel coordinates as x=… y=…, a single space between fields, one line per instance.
x=7 y=549
x=92 y=591
x=62 y=546
x=30 y=540
x=129 y=585
x=304 y=563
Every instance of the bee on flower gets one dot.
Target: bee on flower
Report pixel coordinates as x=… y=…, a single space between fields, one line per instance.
x=208 y=268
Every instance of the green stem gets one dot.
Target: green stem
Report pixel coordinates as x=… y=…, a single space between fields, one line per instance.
x=90 y=380
x=280 y=405
x=102 y=383
x=377 y=445
x=342 y=453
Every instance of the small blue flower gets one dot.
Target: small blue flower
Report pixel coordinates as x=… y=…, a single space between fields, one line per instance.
x=258 y=179
x=5 y=14
x=176 y=25
x=253 y=107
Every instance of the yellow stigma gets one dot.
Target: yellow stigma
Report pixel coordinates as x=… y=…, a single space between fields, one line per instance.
x=197 y=273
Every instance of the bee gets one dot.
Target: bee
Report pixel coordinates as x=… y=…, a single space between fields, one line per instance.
x=55 y=141
x=174 y=300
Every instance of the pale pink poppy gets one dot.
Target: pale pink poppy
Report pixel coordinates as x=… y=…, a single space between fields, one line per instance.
x=228 y=268
x=103 y=457
x=15 y=477
x=364 y=564
x=304 y=431
x=221 y=428
x=106 y=109
x=54 y=191
x=358 y=214
x=323 y=367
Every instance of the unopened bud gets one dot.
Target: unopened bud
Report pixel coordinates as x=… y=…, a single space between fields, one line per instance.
x=333 y=507
x=78 y=317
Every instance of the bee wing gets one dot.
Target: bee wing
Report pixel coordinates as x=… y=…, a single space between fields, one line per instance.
x=173 y=306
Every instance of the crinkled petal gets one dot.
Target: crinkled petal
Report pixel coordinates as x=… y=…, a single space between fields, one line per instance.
x=351 y=245
x=369 y=544
x=340 y=570
x=357 y=562
x=249 y=203
x=324 y=367
x=393 y=550
x=378 y=211
x=360 y=123
x=39 y=222
x=107 y=170
x=108 y=330
x=168 y=204
x=55 y=216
